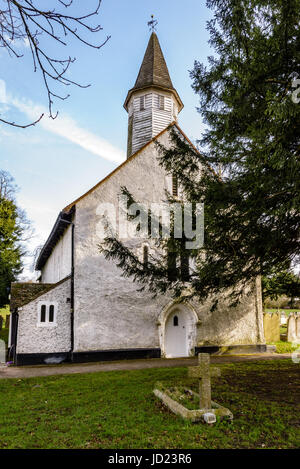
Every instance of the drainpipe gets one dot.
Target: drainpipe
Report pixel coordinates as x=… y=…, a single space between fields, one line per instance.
x=72 y=291
x=72 y=286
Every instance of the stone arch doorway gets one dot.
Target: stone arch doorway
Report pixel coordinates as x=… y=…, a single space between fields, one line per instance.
x=178 y=325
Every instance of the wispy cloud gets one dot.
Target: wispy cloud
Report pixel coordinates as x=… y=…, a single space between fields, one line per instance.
x=65 y=127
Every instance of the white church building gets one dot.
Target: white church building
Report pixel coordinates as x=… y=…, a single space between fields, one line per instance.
x=83 y=309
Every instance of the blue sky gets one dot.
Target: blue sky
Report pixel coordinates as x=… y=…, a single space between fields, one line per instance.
x=55 y=162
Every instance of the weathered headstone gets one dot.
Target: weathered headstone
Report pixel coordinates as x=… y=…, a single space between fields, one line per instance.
x=2 y=353
x=272 y=327
x=7 y=321
x=298 y=327
x=1 y=322
x=283 y=319
x=203 y=372
x=293 y=328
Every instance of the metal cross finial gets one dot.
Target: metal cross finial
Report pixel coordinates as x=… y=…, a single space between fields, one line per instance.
x=152 y=24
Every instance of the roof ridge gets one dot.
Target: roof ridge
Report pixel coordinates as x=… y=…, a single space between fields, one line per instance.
x=68 y=207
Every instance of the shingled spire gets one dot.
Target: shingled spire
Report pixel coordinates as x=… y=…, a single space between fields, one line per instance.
x=154 y=70
x=153 y=103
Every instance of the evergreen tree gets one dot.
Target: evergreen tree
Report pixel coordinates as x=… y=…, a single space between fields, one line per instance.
x=13 y=226
x=248 y=157
x=284 y=283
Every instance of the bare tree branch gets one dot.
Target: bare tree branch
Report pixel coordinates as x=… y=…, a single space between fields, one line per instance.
x=25 y=21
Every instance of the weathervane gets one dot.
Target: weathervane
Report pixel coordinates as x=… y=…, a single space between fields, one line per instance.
x=152 y=24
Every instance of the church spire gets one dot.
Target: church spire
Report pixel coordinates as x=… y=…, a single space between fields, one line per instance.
x=154 y=70
x=153 y=103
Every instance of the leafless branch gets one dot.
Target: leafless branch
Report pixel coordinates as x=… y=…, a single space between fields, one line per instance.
x=25 y=21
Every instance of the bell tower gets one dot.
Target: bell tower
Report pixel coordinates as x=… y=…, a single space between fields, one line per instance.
x=153 y=103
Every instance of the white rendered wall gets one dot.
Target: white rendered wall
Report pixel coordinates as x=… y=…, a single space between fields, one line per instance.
x=109 y=311
x=33 y=338
x=58 y=265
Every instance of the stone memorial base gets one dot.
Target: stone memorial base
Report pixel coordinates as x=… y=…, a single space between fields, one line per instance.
x=165 y=395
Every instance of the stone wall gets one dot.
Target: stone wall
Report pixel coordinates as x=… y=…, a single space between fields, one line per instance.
x=33 y=338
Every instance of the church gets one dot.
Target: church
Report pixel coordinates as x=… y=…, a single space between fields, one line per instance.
x=82 y=308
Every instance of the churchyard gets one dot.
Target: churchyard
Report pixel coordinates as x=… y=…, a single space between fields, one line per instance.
x=119 y=410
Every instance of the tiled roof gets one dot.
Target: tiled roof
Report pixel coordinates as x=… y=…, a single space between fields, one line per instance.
x=24 y=293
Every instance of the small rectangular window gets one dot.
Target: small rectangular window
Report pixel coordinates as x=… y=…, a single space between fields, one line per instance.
x=172 y=265
x=161 y=102
x=174 y=185
x=43 y=313
x=145 y=256
x=142 y=103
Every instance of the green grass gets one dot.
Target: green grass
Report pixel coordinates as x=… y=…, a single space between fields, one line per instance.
x=285 y=347
x=281 y=310
x=118 y=410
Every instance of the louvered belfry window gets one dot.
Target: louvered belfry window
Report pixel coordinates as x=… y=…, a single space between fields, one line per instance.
x=142 y=103
x=161 y=102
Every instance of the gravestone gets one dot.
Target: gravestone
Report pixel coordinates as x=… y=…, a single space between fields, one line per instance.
x=7 y=321
x=208 y=409
x=283 y=319
x=272 y=327
x=2 y=353
x=293 y=328
x=203 y=373
x=298 y=327
x=1 y=322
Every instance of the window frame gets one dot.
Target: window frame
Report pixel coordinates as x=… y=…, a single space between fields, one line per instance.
x=161 y=102
x=48 y=305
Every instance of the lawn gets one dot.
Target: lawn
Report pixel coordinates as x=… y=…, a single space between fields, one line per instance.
x=118 y=410
x=281 y=310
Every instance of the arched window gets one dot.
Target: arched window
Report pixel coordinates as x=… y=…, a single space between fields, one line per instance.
x=174 y=185
x=43 y=313
x=47 y=312
x=145 y=255
x=175 y=321
x=51 y=313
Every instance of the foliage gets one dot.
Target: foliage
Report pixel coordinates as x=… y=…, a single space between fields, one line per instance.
x=43 y=27
x=119 y=410
x=246 y=173
x=14 y=230
x=281 y=283
x=4 y=335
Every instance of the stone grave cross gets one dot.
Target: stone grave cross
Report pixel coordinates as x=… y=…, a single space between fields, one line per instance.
x=203 y=372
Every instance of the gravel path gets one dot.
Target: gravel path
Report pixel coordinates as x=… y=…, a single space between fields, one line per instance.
x=50 y=370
